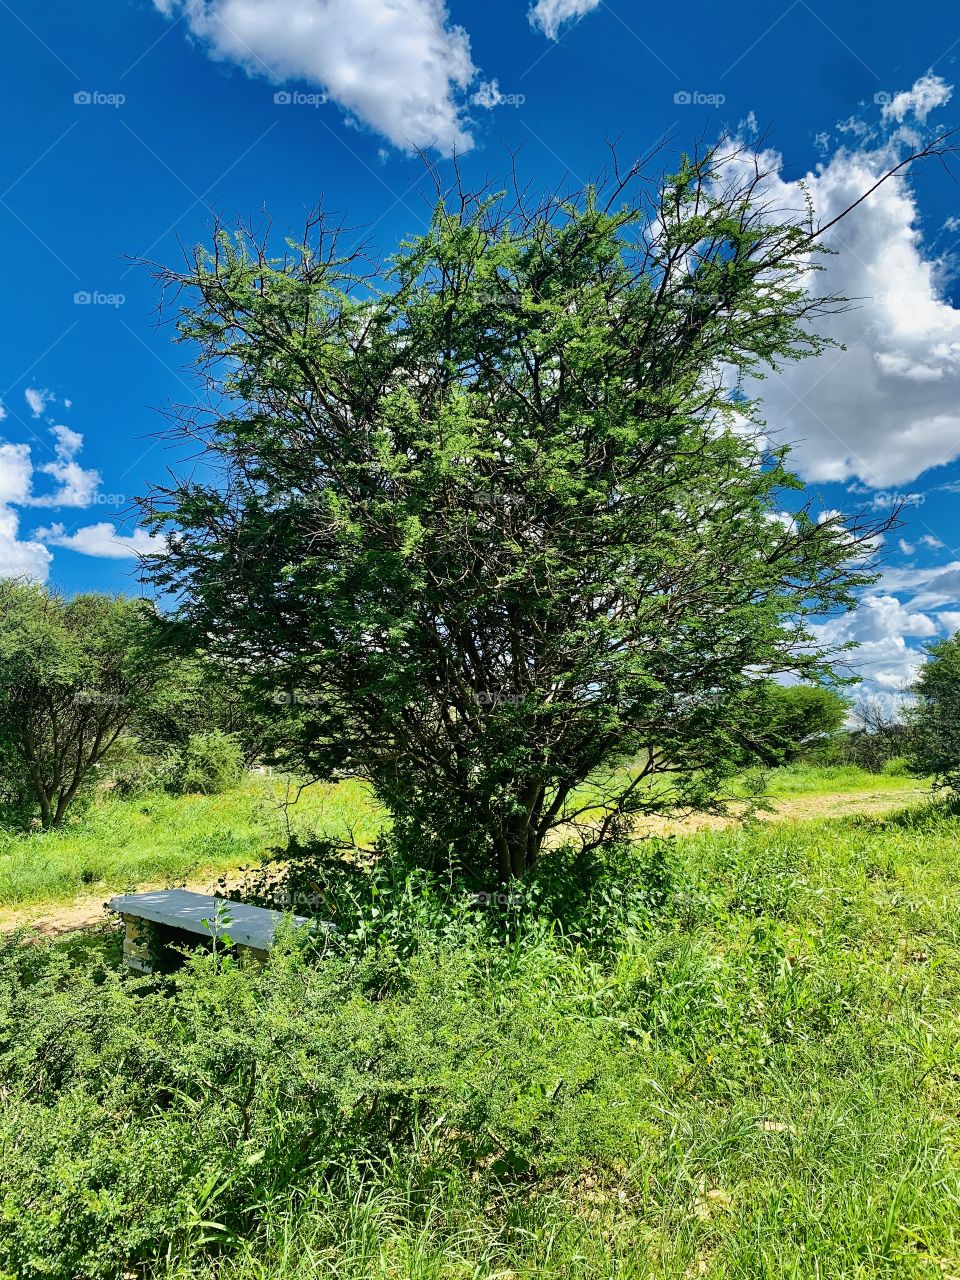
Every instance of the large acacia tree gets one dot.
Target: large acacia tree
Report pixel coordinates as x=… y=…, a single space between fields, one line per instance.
x=491 y=521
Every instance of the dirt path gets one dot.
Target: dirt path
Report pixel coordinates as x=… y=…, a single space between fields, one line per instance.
x=52 y=919
x=800 y=808
x=47 y=919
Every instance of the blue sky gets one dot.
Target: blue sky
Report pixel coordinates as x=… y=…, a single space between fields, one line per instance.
x=130 y=124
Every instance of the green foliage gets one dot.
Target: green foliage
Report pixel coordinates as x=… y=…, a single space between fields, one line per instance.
x=737 y=1057
x=482 y=528
x=157 y=838
x=210 y=763
x=935 y=720
x=74 y=675
x=795 y=719
x=200 y=696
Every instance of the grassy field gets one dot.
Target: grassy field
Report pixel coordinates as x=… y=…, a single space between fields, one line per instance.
x=732 y=1054
x=119 y=844
x=116 y=845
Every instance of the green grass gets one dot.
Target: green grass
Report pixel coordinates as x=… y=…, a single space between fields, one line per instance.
x=809 y=779
x=119 y=844
x=732 y=1055
x=115 y=845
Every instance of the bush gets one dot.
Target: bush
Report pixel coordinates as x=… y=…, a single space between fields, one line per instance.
x=210 y=763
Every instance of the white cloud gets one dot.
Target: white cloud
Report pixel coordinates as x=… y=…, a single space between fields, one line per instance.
x=37 y=399
x=927 y=93
x=906 y=547
x=397 y=65
x=550 y=15
x=103 y=540
x=928 y=540
x=18 y=559
x=77 y=485
x=487 y=95
x=881 y=626
x=887 y=408
x=950 y=621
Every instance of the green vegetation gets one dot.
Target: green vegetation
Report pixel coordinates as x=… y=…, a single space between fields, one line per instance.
x=484 y=534
x=484 y=525
x=731 y=1055
x=155 y=839
x=114 y=843
x=813 y=779
x=935 y=721
x=74 y=675
x=792 y=720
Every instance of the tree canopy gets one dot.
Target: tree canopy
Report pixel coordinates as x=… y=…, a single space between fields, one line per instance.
x=793 y=718
x=934 y=721
x=498 y=518
x=74 y=674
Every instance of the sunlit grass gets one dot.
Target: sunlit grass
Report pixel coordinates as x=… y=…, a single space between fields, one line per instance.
x=119 y=844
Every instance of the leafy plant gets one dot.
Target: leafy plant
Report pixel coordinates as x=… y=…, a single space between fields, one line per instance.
x=488 y=524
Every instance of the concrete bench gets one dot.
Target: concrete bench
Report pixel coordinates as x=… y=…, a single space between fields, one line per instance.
x=176 y=914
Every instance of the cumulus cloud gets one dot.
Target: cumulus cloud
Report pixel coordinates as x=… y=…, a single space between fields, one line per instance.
x=37 y=400
x=928 y=93
x=77 y=485
x=549 y=16
x=881 y=626
x=18 y=558
x=887 y=408
x=104 y=540
x=397 y=65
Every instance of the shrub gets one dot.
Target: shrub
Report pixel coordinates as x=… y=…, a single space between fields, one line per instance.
x=210 y=763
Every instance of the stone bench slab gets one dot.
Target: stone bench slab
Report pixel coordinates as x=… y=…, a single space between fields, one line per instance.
x=197 y=913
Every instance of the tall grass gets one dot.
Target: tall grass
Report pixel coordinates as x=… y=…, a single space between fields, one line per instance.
x=117 y=844
x=729 y=1055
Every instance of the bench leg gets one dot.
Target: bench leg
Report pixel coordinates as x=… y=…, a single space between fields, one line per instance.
x=135 y=951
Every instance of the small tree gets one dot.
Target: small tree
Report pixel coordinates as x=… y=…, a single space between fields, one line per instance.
x=73 y=675
x=793 y=719
x=880 y=731
x=489 y=524
x=934 y=744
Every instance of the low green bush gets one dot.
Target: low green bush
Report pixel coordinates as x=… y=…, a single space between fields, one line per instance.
x=210 y=763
